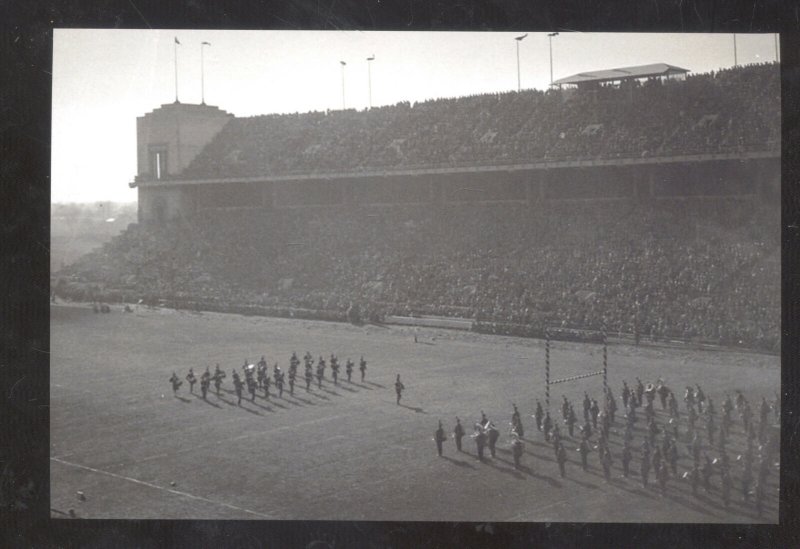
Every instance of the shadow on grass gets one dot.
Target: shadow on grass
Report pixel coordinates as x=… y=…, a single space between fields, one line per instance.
x=346 y=388
x=415 y=408
x=182 y=399
x=256 y=412
x=506 y=470
x=206 y=401
x=459 y=462
x=304 y=401
x=550 y=480
x=375 y=384
x=540 y=456
x=226 y=401
x=701 y=505
x=271 y=402
x=334 y=393
x=581 y=483
x=542 y=443
x=362 y=386
x=323 y=397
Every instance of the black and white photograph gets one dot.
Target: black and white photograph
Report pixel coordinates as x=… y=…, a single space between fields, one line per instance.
x=415 y=276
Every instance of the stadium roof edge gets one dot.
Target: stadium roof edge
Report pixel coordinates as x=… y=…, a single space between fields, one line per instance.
x=623 y=73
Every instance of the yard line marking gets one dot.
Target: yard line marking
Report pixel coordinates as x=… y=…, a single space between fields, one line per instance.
x=150 y=485
x=561 y=502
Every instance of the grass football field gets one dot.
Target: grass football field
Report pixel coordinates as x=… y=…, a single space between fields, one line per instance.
x=349 y=452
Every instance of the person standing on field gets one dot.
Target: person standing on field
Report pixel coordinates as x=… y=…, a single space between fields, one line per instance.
x=191 y=379
x=238 y=386
x=516 y=450
x=398 y=387
x=458 y=434
x=349 y=370
x=439 y=437
x=480 y=440
x=309 y=377
x=561 y=457
x=493 y=434
x=176 y=383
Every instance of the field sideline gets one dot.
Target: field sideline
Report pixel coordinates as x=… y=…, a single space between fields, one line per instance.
x=349 y=452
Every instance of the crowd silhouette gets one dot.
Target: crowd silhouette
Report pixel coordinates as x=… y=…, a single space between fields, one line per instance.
x=729 y=110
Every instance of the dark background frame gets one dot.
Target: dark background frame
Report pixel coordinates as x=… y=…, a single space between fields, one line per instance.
x=25 y=117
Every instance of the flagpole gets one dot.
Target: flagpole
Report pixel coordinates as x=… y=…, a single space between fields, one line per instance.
x=202 y=74
x=550 y=40
x=202 y=78
x=175 y=50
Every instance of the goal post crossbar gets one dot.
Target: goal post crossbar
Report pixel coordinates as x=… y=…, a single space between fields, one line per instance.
x=572 y=378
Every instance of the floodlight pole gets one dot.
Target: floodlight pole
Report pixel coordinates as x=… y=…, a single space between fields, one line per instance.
x=735 y=57
x=369 y=78
x=550 y=39
x=518 y=40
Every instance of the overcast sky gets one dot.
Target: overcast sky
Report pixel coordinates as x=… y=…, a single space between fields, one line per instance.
x=104 y=79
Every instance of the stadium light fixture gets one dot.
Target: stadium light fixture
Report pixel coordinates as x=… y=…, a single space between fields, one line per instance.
x=519 y=39
x=550 y=39
x=369 y=78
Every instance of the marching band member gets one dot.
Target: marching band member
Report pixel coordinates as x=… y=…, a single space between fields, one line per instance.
x=439 y=437
x=190 y=377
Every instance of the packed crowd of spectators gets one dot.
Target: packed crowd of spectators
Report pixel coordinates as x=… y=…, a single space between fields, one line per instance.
x=694 y=269
x=690 y=270
x=730 y=110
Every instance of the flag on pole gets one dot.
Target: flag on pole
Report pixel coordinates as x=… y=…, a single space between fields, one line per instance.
x=205 y=43
x=177 y=41
x=371 y=58
x=343 y=63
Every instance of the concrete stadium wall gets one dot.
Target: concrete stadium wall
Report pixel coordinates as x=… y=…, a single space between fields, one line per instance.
x=757 y=179
x=181 y=130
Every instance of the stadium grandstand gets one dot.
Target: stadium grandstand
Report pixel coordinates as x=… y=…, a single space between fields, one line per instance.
x=645 y=204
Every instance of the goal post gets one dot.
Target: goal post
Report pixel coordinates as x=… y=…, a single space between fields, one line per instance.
x=549 y=382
